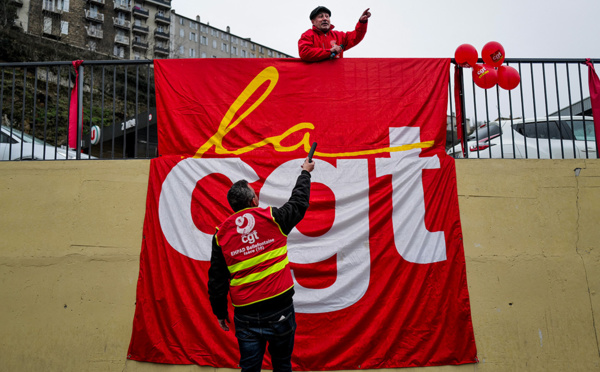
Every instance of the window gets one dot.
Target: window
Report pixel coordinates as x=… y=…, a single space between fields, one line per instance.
x=582 y=134
x=47 y=25
x=180 y=21
x=182 y=50
x=6 y=139
x=542 y=129
x=64 y=28
x=270 y=53
x=212 y=32
x=192 y=52
x=214 y=44
x=181 y=32
x=203 y=54
x=224 y=47
x=260 y=49
x=92 y=45
x=203 y=40
x=119 y=51
x=193 y=36
x=203 y=28
x=193 y=25
x=243 y=53
x=137 y=56
x=234 y=51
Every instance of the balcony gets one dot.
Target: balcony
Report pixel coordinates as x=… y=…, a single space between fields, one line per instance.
x=139 y=44
x=95 y=32
x=122 y=7
x=161 y=50
x=123 y=40
x=122 y=23
x=98 y=17
x=141 y=12
x=141 y=29
x=161 y=34
x=163 y=3
x=159 y=18
x=98 y=2
x=51 y=7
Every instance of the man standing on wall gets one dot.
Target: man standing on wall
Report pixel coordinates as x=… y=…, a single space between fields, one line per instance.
x=321 y=42
x=249 y=261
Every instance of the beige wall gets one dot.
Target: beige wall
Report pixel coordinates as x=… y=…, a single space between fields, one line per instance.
x=70 y=237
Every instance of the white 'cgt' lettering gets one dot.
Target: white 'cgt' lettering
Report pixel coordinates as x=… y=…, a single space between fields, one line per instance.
x=175 y=202
x=413 y=241
x=348 y=238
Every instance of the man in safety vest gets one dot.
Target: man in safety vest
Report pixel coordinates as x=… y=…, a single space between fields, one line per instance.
x=249 y=261
x=321 y=42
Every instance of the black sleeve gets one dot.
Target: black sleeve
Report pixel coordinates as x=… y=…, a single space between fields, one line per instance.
x=293 y=211
x=218 y=282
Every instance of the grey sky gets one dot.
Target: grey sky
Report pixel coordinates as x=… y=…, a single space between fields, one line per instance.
x=418 y=28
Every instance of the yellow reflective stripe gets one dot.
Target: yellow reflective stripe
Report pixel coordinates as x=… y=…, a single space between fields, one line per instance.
x=246 y=264
x=261 y=275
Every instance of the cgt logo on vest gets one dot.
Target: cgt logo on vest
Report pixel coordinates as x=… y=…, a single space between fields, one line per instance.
x=245 y=228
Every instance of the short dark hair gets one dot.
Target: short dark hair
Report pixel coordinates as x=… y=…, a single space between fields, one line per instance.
x=318 y=10
x=240 y=195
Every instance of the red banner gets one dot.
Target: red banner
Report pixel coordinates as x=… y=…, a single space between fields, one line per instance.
x=378 y=261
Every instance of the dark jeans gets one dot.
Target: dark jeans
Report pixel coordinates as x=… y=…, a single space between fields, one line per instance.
x=254 y=331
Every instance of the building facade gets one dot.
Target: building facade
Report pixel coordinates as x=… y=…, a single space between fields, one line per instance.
x=133 y=29
x=191 y=38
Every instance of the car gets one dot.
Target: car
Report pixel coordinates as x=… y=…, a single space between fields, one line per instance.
x=16 y=145
x=543 y=138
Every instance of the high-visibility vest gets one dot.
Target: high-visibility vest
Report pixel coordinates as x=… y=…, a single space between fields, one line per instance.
x=255 y=251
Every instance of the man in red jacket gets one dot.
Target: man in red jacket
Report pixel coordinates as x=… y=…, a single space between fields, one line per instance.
x=322 y=43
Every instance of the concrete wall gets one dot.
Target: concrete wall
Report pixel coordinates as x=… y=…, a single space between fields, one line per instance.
x=70 y=238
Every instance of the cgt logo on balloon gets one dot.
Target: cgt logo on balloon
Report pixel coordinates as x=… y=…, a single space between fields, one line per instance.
x=347 y=239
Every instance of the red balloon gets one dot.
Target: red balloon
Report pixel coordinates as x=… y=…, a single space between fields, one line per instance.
x=485 y=76
x=466 y=55
x=493 y=54
x=508 y=77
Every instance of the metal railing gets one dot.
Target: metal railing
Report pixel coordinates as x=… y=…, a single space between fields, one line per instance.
x=115 y=106
x=547 y=116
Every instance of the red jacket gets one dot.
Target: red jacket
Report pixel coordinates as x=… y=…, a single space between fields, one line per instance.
x=314 y=45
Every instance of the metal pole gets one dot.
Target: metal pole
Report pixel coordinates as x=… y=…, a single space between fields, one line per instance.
x=79 y=109
x=461 y=93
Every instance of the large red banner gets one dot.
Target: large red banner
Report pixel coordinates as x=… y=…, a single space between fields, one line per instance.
x=378 y=262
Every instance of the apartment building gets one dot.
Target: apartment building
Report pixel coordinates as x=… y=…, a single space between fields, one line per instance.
x=128 y=29
x=191 y=38
x=134 y=29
